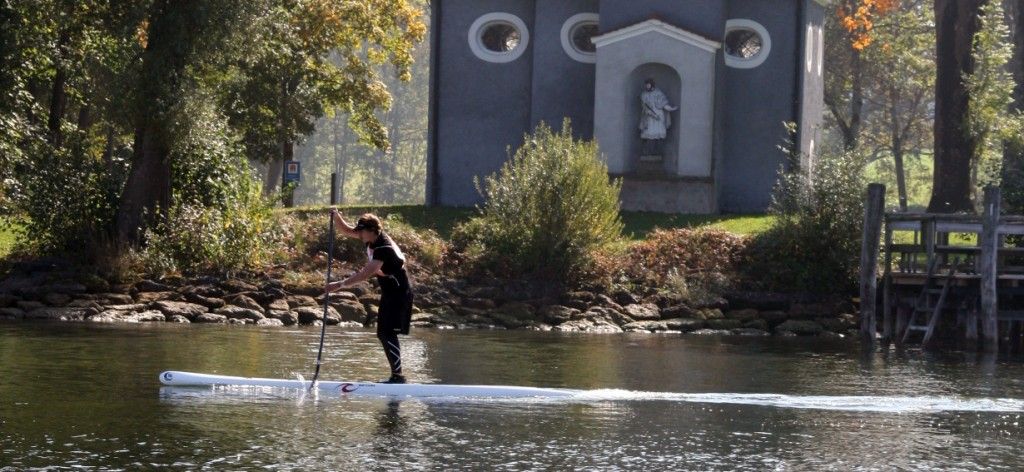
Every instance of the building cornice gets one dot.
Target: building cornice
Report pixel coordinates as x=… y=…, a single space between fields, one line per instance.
x=657 y=26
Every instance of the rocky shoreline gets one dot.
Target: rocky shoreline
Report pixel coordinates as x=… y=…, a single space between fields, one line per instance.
x=441 y=305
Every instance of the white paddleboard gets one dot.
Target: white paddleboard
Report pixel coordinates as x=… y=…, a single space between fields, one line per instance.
x=190 y=379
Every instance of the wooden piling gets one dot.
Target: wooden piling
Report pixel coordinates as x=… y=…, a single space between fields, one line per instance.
x=989 y=241
x=874 y=206
x=888 y=332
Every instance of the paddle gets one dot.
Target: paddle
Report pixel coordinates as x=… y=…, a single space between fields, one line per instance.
x=327 y=296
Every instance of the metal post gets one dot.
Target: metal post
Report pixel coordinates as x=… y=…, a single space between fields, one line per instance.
x=334 y=188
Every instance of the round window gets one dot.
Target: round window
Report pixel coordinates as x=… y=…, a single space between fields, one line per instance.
x=577 y=35
x=747 y=44
x=742 y=43
x=498 y=37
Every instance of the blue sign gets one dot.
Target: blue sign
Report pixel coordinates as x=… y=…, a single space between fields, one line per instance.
x=292 y=170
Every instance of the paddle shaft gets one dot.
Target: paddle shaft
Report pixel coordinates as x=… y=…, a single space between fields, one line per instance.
x=327 y=296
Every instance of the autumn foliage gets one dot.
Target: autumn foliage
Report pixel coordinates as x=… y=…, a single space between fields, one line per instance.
x=858 y=17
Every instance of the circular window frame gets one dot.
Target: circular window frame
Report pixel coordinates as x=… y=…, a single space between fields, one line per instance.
x=567 y=44
x=481 y=51
x=752 y=61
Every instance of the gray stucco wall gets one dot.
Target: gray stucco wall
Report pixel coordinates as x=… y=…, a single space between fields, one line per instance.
x=703 y=17
x=483 y=107
x=562 y=86
x=756 y=102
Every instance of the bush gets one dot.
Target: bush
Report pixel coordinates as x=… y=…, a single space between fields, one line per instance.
x=813 y=244
x=306 y=235
x=548 y=208
x=685 y=252
x=196 y=239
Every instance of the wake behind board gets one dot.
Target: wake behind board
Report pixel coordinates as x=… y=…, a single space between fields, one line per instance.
x=190 y=379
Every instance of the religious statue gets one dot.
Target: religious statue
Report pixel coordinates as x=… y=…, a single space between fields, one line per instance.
x=655 y=120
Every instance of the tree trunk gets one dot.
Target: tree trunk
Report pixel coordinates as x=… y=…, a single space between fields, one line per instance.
x=340 y=157
x=58 y=93
x=147 y=192
x=1013 y=152
x=275 y=172
x=851 y=133
x=956 y=24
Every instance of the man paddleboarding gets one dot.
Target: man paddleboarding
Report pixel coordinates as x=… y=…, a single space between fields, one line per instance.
x=385 y=261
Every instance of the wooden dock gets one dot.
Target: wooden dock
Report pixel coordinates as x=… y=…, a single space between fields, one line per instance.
x=956 y=273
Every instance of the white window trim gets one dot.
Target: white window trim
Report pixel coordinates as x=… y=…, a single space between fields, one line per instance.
x=566 y=35
x=480 y=51
x=757 y=59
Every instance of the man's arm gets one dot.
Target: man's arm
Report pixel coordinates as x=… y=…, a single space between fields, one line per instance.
x=341 y=225
x=365 y=273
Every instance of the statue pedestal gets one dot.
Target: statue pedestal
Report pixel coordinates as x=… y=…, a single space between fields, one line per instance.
x=650 y=165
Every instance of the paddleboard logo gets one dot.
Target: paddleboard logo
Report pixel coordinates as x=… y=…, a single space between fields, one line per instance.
x=347 y=387
x=168 y=376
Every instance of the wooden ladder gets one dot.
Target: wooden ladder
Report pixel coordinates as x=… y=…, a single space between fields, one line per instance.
x=926 y=313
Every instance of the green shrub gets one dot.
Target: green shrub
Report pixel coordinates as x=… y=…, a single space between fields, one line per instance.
x=198 y=239
x=545 y=211
x=813 y=244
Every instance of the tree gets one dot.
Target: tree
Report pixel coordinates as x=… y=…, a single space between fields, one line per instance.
x=956 y=25
x=900 y=93
x=848 y=33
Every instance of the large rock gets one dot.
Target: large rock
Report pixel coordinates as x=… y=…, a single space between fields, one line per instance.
x=711 y=332
x=684 y=324
x=838 y=324
x=200 y=299
x=774 y=317
x=724 y=324
x=279 y=304
x=178 y=319
x=350 y=310
x=188 y=310
x=756 y=324
x=152 y=286
x=236 y=286
x=750 y=332
x=150 y=297
x=800 y=327
x=112 y=316
x=56 y=299
x=761 y=301
x=645 y=326
x=712 y=313
x=518 y=310
x=11 y=313
x=7 y=300
x=116 y=298
x=61 y=314
x=479 y=303
x=211 y=318
x=745 y=314
x=296 y=301
x=269 y=322
x=29 y=305
x=287 y=317
x=244 y=301
x=557 y=314
x=308 y=315
x=611 y=315
x=681 y=310
x=810 y=311
x=237 y=312
x=578 y=300
x=588 y=326
x=642 y=311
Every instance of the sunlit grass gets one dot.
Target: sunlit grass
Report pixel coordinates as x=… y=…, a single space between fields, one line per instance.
x=8 y=236
x=637 y=224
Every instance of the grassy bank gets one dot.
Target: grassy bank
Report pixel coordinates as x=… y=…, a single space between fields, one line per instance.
x=8 y=236
x=637 y=224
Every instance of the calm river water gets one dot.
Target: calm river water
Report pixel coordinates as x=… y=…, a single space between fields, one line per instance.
x=84 y=396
